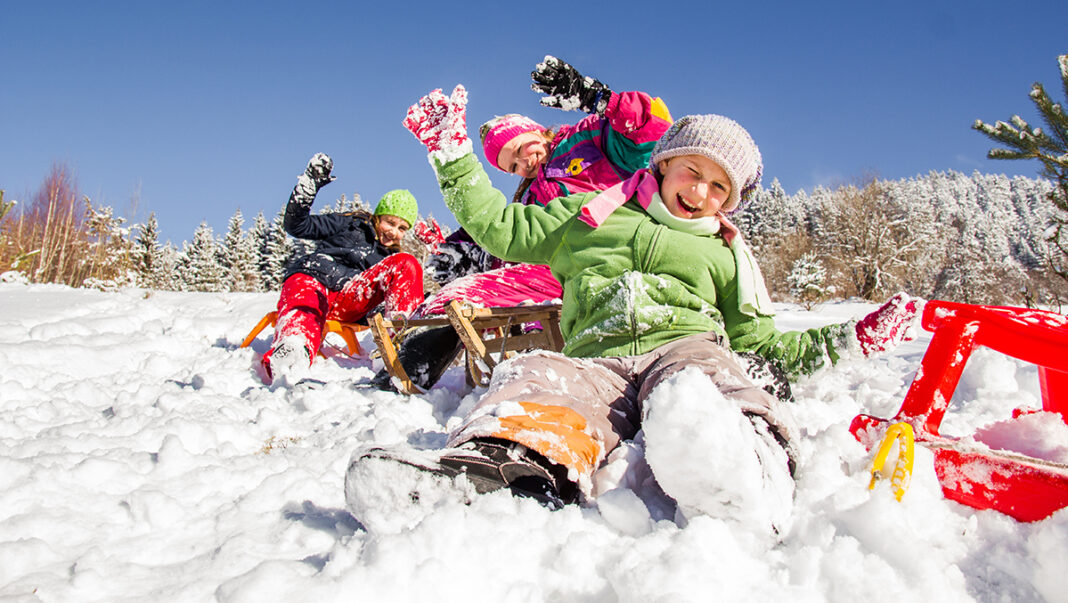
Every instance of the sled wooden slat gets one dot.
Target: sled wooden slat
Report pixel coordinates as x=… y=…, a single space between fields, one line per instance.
x=555 y=334
x=461 y=322
x=516 y=343
x=380 y=332
x=486 y=334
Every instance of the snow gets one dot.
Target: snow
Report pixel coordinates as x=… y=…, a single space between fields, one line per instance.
x=142 y=457
x=688 y=413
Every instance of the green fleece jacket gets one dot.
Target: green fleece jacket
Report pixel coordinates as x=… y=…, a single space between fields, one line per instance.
x=631 y=285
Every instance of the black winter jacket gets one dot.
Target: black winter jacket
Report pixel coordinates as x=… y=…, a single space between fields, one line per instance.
x=347 y=245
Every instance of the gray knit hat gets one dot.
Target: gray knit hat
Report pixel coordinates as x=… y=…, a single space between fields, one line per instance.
x=720 y=139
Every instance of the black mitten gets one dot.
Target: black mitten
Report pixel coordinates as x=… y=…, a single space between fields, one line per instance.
x=319 y=168
x=567 y=89
x=455 y=259
x=315 y=176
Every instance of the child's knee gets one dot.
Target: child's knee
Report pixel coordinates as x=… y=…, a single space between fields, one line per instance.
x=302 y=291
x=406 y=263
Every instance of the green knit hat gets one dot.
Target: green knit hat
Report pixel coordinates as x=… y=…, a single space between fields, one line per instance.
x=400 y=203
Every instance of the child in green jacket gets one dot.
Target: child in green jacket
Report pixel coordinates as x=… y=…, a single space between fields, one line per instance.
x=656 y=280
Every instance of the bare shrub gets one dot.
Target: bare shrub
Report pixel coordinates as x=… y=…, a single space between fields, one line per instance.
x=777 y=257
x=870 y=240
x=47 y=231
x=59 y=237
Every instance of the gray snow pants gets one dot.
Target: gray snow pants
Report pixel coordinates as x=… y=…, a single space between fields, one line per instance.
x=575 y=411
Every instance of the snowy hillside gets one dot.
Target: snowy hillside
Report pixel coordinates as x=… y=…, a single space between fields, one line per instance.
x=142 y=458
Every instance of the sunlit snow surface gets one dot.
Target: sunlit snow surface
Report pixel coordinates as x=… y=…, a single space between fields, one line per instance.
x=142 y=458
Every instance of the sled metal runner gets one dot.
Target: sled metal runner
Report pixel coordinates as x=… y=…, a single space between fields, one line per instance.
x=1025 y=488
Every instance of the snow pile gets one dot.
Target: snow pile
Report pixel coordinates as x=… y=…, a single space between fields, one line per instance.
x=143 y=458
x=1037 y=435
x=726 y=480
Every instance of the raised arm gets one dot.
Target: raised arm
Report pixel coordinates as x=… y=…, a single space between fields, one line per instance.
x=635 y=120
x=298 y=220
x=511 y=232
x=565 y=88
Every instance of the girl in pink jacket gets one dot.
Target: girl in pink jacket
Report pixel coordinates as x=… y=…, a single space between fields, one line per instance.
x=601 y=150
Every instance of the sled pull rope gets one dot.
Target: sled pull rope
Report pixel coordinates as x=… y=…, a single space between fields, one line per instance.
x=902 y=475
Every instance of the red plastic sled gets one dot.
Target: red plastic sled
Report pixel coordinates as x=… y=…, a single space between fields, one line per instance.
x=1020 y=486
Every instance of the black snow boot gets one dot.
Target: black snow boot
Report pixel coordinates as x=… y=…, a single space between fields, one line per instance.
x=503 y=464
x=424 y=354
x=491 y=464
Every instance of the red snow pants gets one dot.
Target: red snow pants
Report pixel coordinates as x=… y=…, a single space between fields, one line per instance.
x=305 y=304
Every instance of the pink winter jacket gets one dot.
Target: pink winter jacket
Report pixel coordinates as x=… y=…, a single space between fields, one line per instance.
x=598 y=152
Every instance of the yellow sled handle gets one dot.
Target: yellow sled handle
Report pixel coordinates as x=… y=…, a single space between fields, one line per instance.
x=899 y=481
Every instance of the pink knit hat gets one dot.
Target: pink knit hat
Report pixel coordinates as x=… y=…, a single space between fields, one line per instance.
x=498 y=131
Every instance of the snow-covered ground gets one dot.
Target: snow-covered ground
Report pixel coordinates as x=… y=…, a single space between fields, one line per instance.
x=142 y=458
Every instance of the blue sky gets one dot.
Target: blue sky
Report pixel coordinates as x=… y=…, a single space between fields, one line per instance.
x=197 y=108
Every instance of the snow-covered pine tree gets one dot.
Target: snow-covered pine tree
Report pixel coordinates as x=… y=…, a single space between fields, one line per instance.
x=148 y=255
x=966 y=265
x=994 y=195
x=1033 y=213
x=770 y=214
x=1050 y=148
x=182 y=275
x=202 y=271
x=229 y=248
x=258 y=238
x=237 y=258
x=109 y=259
x=275 y=256
x=343 y=205
x=168 y=276
x=916 y=198
x=808 y=280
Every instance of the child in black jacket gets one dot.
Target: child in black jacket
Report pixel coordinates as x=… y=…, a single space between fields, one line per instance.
x=356 y=266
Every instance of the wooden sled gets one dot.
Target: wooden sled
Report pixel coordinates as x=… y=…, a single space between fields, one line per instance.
x=487 y=334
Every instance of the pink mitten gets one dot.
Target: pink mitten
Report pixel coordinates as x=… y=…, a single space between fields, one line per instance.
x=440 y=123
x=429 y=232
x=890 y=325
